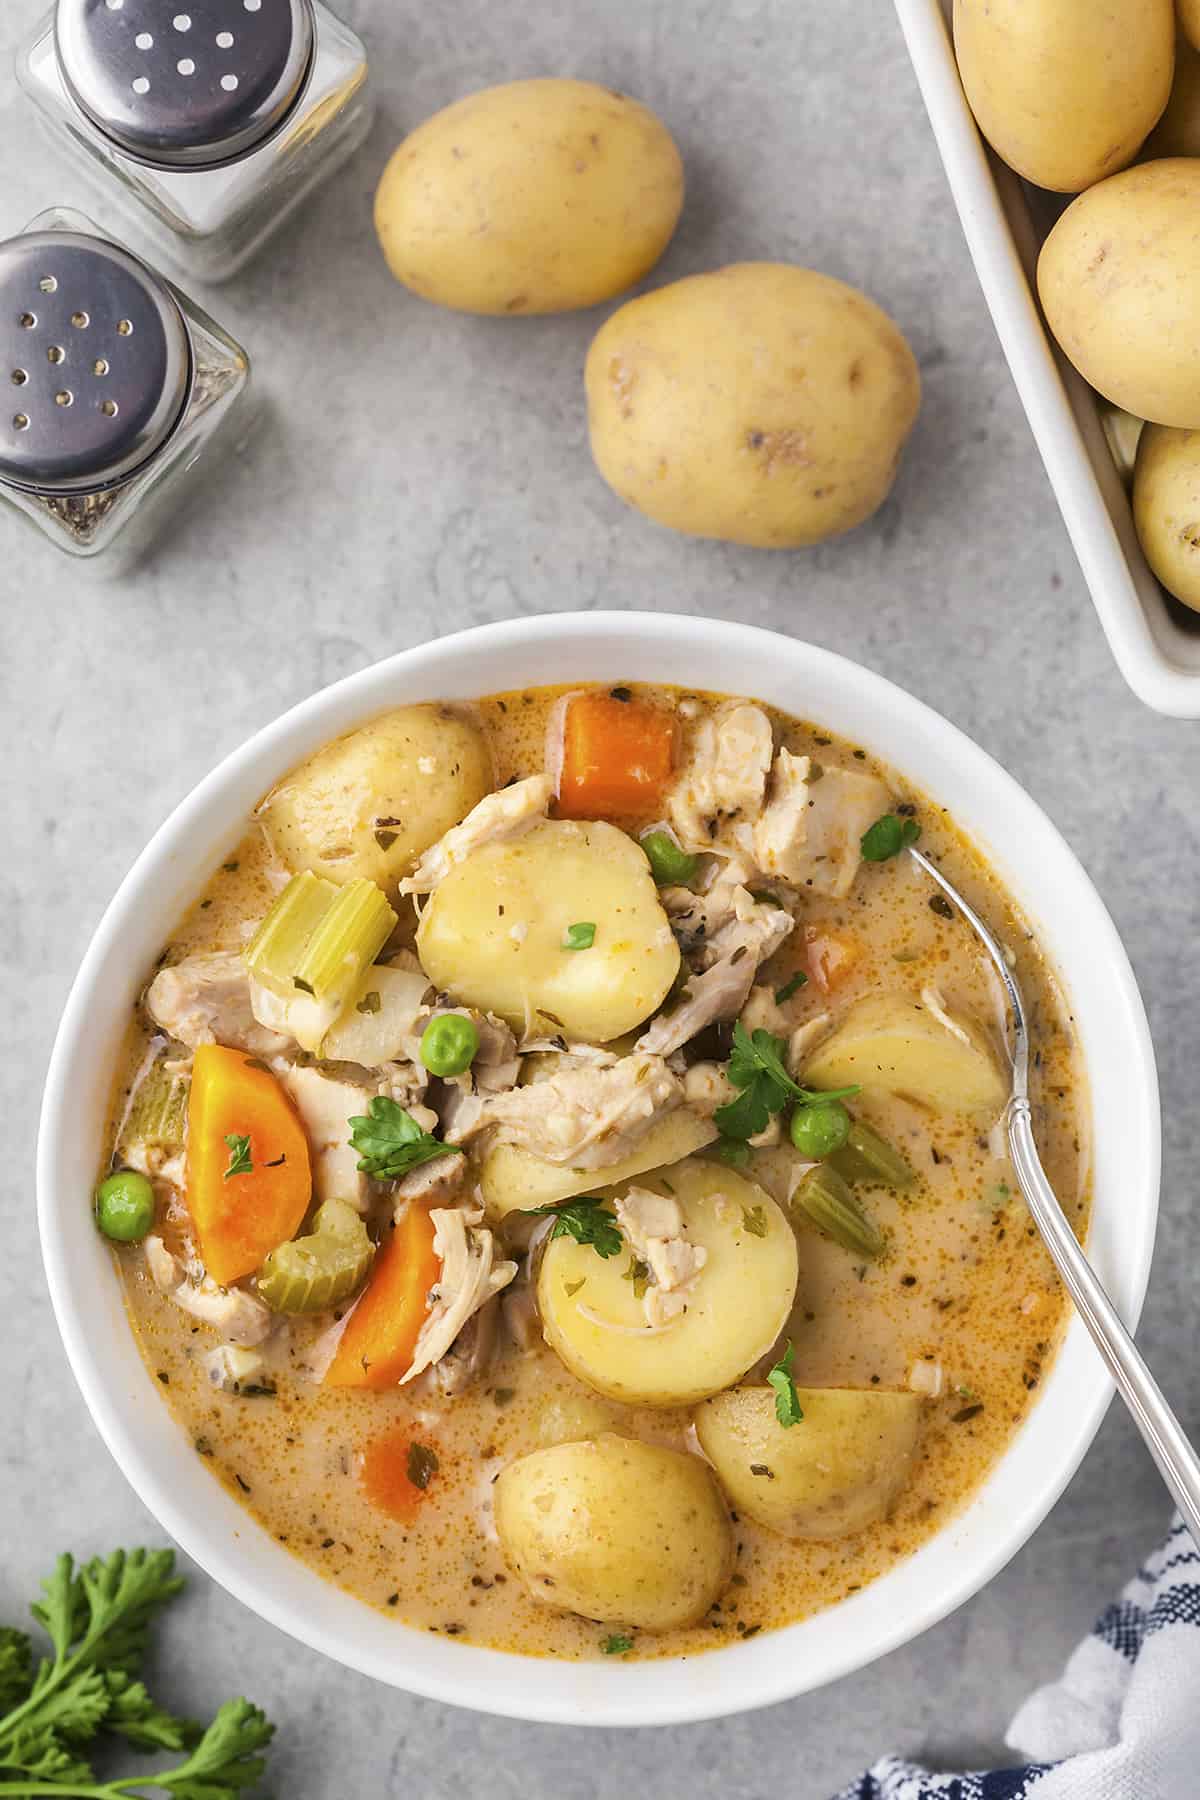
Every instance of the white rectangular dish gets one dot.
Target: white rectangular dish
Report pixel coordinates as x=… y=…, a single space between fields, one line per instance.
x=1155 y=640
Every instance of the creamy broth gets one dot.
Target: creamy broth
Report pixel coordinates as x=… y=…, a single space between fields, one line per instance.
x=965 y=1288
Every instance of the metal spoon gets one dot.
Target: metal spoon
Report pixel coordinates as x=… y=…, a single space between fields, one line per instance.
x=1177 y=1461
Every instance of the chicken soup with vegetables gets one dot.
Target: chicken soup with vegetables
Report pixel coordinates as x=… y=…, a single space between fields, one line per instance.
x=555 y=1170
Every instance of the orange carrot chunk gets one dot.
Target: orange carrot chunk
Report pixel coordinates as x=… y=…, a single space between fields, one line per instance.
x=616 y=758
x=396 y=1472
x=832 y=955
x=376 y=1348
x=249 y=1183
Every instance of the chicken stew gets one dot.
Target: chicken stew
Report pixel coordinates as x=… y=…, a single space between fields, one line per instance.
x=555 y=1172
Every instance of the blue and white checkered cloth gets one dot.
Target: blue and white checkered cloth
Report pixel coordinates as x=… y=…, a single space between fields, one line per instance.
x=1122 y=1724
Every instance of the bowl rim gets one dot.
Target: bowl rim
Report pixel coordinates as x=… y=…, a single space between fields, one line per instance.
x=888 y=1612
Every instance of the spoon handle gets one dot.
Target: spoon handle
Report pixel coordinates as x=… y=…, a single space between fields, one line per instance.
x=1165 y=1438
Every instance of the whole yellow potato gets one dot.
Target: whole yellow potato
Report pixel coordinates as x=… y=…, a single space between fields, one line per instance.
x=1119 y=280
x=371 y=802
x=535 y=197
x=1066 y=91
x=1166 y=508
x=837 y=1471
x=761 y=403
x=623 y=1532
x=1178 y=131
x=1188 y=14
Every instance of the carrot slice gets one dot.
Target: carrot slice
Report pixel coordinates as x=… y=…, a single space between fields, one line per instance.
x=244 y=1200
x=396 y=1471
x=616 y=758
x=832 y=955
x=376 y=1348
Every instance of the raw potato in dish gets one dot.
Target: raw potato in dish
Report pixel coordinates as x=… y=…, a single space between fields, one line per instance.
x=535 y=197
x=761 y=403
x=554 y=1177
x=1066 y=91
x=1166 y=508
x=1119 y=281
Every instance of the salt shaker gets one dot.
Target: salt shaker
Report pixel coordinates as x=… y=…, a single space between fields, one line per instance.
x=116 y=385
x=208 y=124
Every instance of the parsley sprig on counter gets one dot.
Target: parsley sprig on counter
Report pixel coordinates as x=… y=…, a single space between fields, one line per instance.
x=757 y=1067
x=97 y=1618
x=390 y=1142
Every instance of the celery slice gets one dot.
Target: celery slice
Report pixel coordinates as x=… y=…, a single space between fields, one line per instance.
x=868 y=1157
x=309 y=957
x=157 y=1115
x=311 y=1274
x=277 y=948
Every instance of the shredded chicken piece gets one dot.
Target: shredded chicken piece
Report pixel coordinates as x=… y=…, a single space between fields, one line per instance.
x=719 y=792
x=230 y=1367
x=654 y=1226
x=505 y=814
x=470 y=1277
x=442 y=1179
x=841 y=807
x=472 y=1352
x=587 y=1118
x=236 y=1314
x=326 y=1106
x=933 y=1000
x=522 y=1321
x=763 y=1013
x=781 y=833
x=705 y=1087
x=206 y=1000
x=804 y=1041
x=731 y=959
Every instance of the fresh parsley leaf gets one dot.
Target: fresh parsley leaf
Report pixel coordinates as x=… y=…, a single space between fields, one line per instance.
x=617 y=1645
x=97 y=1618
x=422 y=1465
x=736 y=1154
x=226 y=1760
x=787 y=1403
x=754 y=1219
x=390 y=1142
x=580 y=937
x=588 y=1221
x=758 y=1068
x=638 y=1273
x=239 y=1155
x=790 y=987
x=887 y=837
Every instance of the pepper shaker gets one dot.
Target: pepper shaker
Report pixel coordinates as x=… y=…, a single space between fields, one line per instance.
x=116 y=385
x=208 y=124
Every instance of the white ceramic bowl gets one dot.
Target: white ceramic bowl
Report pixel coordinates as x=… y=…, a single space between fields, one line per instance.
x=1155 y=641
x=1028 y=854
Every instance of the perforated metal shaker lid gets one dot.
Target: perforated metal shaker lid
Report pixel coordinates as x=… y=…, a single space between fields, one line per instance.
x=95 y=363
x=185 y=84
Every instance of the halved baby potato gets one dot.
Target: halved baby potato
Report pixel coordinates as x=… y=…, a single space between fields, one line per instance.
x=836 y=1472
x=894 y=1042
x=739 y=1302
x=623 y=1532
x=370 y=803
x=513 y=1180
x=498 y=932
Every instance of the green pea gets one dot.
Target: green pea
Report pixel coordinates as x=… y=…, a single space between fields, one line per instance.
x=125 y=1206
x=449 y=1045
x=669 y=865
x=820 y=1129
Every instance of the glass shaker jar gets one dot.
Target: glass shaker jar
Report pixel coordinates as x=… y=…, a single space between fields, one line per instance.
x=208 y=124
x=115 y=385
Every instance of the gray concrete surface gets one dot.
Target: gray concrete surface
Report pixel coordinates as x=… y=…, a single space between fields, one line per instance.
x=421 y=472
